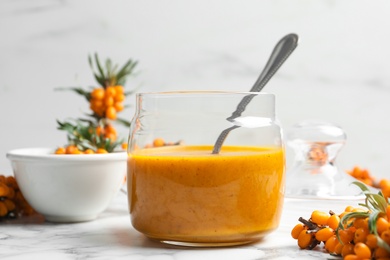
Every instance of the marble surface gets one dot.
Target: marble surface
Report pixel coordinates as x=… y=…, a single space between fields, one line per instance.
x=111 y=236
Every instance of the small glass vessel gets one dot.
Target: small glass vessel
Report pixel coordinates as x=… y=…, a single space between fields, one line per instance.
x=314 y=174
x=180 y=192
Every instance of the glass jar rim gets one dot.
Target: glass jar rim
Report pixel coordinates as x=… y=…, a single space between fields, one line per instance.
x=200 y=92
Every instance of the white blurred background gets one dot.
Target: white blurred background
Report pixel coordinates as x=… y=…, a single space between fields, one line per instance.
x=338 y=73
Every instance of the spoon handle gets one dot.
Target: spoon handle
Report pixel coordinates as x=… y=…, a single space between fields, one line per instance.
x=280 y=53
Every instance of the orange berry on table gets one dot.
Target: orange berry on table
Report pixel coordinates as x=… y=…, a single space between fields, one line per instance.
x=3 y=209
x=346 y=235
x=305 y=239
x=319 y=217
x=338 y=248
x=297 y=230
x=4 y=190
x=351 y=257
x=97 y=93
x=362 y=250
x=331 y=243
x=158 y=142
x=380 y=252
x=71 y=149
x=111 y=113
x=124 y=146
x=9 y=204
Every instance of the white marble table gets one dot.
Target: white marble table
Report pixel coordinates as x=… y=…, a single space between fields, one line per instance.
x=111 y=236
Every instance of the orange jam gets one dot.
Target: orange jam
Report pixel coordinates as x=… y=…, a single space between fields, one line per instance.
x=186 y=194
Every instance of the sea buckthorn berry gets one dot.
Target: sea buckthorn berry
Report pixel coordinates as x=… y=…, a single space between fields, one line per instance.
x=351 y=257
x=124 y=146
x=319 y=217
x=119 y=89
x=297 y=230
x=110 y=91
x=108 y=101
x=3 y=189
x=362 y=250
x=360 y=235
x=97 y=93
x=305 y=239
x=371 y=241
x=89 y=151
x=349 y=208
x=9 y=204
x=111 y=113
x=71 y=149
x=324 y=234
x=3 y=209
x=380 y=252
x=346 y=236
x=338 y=248
x=101 y=150
x=333 y=221
x=158 y=142
x=381 y=225
x=348 y=249
x=331 y=243
x=119 y=97
x=385 y=235
x=60 y=150
x=360 y=223
x=119 y=106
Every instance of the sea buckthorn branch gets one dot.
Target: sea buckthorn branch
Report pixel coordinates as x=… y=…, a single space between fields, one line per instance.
x=357 y=233
x=98 y=134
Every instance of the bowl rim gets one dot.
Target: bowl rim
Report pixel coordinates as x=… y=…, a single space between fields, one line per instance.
x=47 y=154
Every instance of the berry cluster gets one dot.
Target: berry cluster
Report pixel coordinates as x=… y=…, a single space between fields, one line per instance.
x=357 y=233
x=97 y=134
x=12 y=202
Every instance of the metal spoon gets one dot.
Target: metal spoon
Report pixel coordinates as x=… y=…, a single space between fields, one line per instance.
x=280 y=53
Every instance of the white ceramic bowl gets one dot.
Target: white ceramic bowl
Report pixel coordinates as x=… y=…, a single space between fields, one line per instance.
x=68 y=188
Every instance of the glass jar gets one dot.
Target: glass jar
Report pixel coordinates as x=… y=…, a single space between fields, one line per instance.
x=182 y=193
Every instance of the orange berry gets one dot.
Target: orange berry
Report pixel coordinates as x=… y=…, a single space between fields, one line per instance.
x=111 y=113
x=347 y=250
x=3 y=209
x=324 y=234
x=371 y=241
x=360 y=235
x=385 y=235
x=89 y=151
x=101 y=150
x=119 y=97
x=97 y=93
x=349 y=208
x=119 y=89
x=110 y=91
x=9 y=204
x=297 y=230
x=381 y=225
x=345 y=235
x=331 y=243
x=71 y=149
x=351 y=257
x=360 y=223
x=158 y=142
x=304 y=239
x=60 y=150
x=4 y=190
x=124 y=146
x=362 y=250
x=119 y=106
x=380 y=252
x=388 y=211
x=319 y=217
x=338 y=248
x=333 y=221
